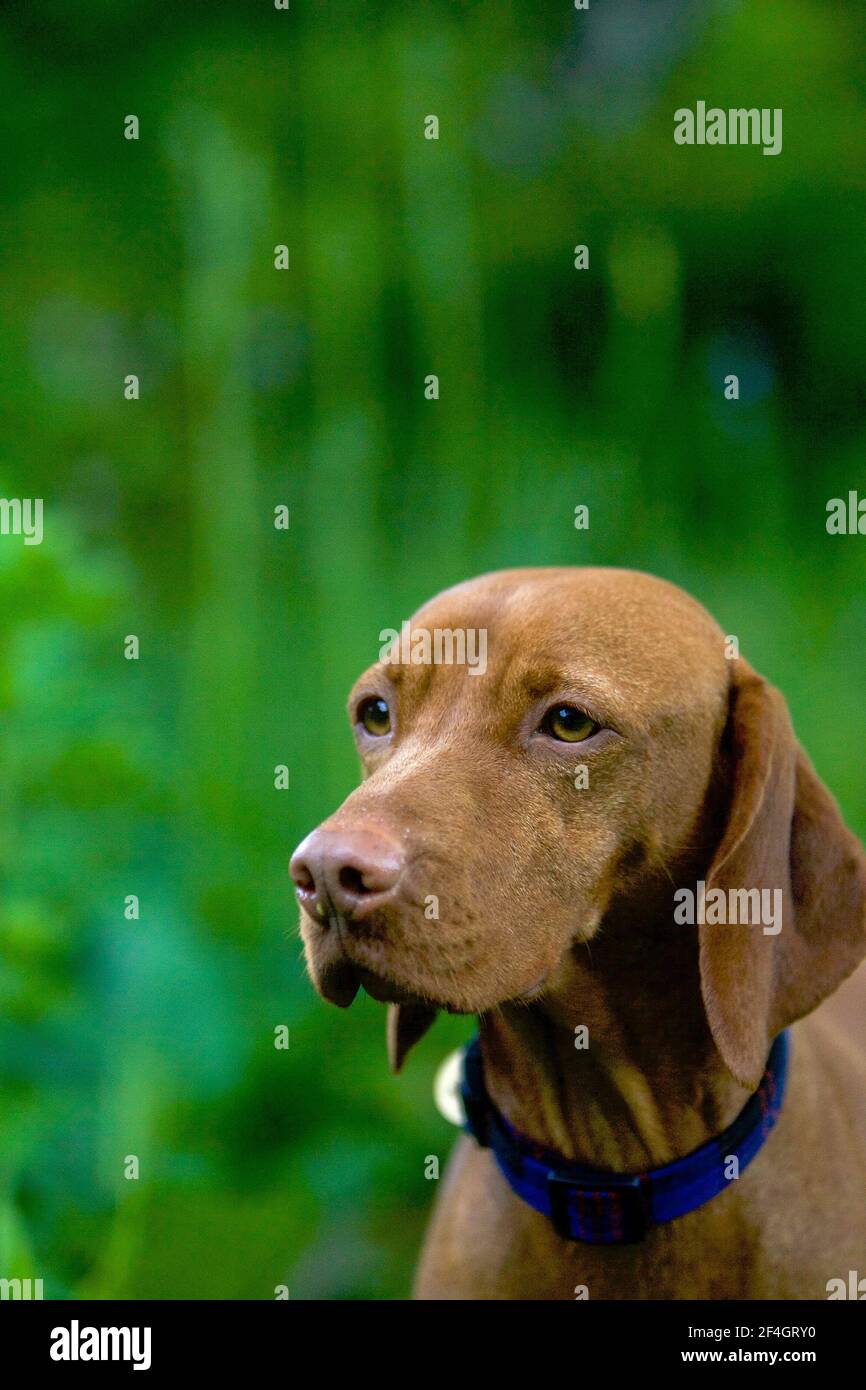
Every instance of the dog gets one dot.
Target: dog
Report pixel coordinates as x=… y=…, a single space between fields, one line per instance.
x=514 y=851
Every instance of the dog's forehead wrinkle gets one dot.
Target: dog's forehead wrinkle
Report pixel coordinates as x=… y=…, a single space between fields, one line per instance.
x=440 y=693
x=549 y=677
x=408 y=680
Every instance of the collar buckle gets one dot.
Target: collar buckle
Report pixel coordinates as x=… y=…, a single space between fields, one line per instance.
x=615 y=1212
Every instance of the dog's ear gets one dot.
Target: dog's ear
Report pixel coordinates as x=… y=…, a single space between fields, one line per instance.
x=784 y=831
x=407 y=1024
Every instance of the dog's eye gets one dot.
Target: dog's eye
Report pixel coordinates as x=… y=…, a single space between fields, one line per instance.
x=568 y=724
x=375 y=716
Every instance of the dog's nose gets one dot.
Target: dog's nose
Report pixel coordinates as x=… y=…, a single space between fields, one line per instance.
x=351 y=871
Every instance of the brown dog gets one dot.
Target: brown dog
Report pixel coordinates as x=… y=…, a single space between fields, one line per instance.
x=477 y=869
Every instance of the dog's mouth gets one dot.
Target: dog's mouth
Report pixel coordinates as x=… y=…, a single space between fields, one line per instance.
x=340 y=980
x=342 y=964
x=342 y=960
x=339 y=977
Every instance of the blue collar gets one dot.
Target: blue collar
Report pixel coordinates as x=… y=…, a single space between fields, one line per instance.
x=613 y=1208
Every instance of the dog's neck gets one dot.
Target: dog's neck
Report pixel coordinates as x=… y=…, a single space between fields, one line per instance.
x=648 y=1085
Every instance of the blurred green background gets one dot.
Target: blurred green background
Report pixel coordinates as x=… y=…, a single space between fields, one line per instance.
x=305 y=387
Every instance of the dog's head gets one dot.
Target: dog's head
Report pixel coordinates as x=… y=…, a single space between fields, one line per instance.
x=607 y=750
